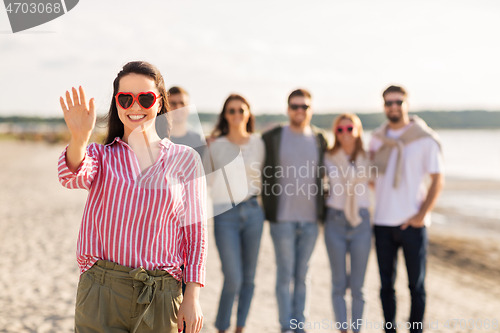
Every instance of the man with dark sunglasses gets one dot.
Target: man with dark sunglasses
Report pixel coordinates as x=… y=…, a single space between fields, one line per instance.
x=292 y=195
x=405 y=151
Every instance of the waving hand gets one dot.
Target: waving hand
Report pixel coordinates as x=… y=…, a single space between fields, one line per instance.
x=80 y=119
x=79 y=116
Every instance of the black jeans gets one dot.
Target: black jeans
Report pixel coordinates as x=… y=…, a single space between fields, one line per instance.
x=414 y=243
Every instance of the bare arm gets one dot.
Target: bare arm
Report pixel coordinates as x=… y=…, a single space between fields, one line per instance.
x=190 y=309
x=80 y=120
x=433 y=194
x=75 y=153
x=435 y=189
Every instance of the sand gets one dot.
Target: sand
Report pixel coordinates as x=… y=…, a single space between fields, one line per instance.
x=39 y=221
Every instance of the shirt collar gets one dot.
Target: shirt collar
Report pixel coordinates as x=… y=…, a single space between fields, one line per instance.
x=117 y=139
x=164 y=142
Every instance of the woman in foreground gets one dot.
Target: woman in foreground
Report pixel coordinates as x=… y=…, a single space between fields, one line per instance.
x=144 y=214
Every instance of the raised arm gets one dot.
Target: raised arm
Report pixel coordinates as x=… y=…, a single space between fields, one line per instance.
x=78 y=163
x=80 y=119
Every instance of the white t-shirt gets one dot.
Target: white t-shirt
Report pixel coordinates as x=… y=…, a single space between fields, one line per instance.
x=243 y=173
x=421 y=157
x=338 y=188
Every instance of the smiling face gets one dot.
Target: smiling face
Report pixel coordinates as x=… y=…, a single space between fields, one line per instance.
x=394 y=112
x=136 y=114
x=236 y=113
x=345 y=137
x=301 y=115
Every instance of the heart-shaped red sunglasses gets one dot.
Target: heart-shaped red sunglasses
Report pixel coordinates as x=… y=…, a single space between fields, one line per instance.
x=145 y=99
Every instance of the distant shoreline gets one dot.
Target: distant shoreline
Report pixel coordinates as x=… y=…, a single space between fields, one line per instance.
x=465 y=119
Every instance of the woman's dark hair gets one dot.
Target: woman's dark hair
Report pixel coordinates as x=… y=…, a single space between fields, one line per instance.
x=222 y=127
x=115 y=126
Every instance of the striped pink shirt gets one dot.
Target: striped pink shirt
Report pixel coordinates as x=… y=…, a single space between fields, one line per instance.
x=155 y=219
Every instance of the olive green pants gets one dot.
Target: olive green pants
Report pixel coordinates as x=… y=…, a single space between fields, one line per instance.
x=115 y=298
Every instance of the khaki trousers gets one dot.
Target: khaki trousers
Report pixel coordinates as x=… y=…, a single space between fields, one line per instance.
x=114 y=298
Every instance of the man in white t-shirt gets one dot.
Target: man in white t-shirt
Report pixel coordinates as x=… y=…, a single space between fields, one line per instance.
x=405 y=151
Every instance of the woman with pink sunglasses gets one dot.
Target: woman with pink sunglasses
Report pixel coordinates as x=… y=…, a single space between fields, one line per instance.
x=145 y=213
x=347 y=226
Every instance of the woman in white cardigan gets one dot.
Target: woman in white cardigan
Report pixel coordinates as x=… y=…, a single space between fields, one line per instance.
x=347 y=226
x=236 y=156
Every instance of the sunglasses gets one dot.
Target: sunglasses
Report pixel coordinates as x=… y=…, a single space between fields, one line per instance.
x=233 y=111
x=145 y=99
x=344 y=129
x=295 y=107
x=389 y=103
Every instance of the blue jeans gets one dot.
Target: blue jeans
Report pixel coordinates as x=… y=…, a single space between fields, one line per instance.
x=414 y=243
x=237 y=234
x=293 y=244
x=341 y=238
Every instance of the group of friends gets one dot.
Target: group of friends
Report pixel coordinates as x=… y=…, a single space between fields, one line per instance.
x=143 y=238
x=402 y=152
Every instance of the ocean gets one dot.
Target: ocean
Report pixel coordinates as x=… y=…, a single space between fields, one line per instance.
x=473 y=156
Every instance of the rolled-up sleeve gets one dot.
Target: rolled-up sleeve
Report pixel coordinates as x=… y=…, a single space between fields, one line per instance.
x=194 y=220
x=84 y=176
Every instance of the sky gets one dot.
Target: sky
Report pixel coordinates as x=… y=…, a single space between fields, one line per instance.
x=444 y=52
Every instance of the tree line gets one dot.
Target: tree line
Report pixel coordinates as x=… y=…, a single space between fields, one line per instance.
x=467 y=119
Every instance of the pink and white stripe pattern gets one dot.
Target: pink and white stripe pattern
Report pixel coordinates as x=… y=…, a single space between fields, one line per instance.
x=154 y=219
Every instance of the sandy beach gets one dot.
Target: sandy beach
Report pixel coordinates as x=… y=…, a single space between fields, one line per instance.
x=39 y=222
